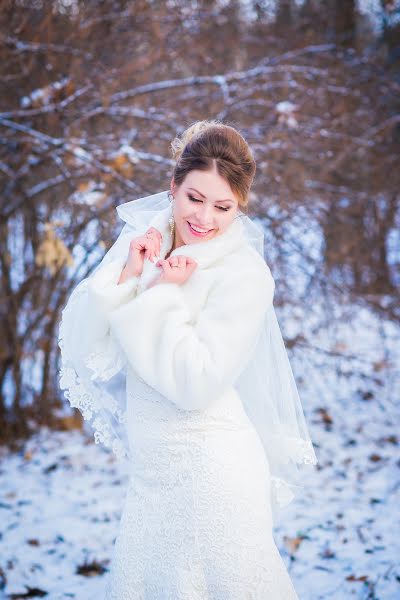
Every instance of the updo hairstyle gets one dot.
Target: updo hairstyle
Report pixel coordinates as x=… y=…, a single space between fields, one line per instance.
x=210 y=144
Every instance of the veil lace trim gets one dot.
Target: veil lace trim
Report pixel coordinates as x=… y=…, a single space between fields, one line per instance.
x=103 y=410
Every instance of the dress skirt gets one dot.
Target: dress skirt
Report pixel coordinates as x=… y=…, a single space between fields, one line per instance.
x=196 y=522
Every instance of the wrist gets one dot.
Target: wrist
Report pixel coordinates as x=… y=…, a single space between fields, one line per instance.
x=127 y=274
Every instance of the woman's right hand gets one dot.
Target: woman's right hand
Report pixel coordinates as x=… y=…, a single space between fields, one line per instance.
x=145 y=246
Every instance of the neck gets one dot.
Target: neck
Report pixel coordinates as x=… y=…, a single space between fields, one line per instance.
x=177 y=241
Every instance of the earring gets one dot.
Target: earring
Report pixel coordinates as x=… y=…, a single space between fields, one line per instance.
x=171 y=219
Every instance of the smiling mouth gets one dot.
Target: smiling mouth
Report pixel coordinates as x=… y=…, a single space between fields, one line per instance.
x=198 y=233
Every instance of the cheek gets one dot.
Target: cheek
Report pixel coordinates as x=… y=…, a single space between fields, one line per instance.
x=222 y=226
x=186 y=212
x=181 y=212
x=181 y=218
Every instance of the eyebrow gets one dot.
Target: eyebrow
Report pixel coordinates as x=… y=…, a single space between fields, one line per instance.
x=203 y=196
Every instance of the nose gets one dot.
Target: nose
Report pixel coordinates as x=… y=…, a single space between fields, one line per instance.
x=204 y=216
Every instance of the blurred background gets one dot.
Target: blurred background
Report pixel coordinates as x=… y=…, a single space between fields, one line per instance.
x=91 y=95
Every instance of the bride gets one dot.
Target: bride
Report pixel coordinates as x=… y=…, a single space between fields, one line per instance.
x=171 y=349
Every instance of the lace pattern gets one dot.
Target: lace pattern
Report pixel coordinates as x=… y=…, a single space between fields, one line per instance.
x=301 y=450
x=103 y=406
x=196 y=523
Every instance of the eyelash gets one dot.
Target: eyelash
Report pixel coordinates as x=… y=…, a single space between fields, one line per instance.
x=197 y=200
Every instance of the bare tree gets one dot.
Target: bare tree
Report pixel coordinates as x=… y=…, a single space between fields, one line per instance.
x=92 y=95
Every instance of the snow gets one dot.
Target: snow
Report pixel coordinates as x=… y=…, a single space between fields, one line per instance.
x=286 y=107
x=45 y=95
x=352 y=497
x=60 y=503
x=61 y=498
x=90 y=193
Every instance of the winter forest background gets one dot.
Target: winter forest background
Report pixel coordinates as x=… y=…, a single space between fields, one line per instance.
x=92 y=93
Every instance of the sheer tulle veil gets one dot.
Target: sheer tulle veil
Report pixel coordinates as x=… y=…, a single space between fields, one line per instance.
x=265 y=382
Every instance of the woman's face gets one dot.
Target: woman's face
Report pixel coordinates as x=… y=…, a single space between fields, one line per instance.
x=205 y=201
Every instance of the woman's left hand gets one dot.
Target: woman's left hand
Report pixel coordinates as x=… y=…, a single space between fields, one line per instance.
x=175 y=269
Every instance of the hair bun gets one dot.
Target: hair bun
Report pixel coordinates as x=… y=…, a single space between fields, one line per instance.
x=180 y=142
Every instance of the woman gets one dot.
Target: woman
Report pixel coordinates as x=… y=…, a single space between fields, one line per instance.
x=153 y=345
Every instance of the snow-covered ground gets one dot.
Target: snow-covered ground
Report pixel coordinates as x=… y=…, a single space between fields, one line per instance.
x=349 y=514
x=61 y=499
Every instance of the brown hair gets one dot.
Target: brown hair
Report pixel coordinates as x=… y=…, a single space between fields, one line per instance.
x=211 y=144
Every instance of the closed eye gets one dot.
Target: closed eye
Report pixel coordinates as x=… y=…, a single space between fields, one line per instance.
x=197 y=200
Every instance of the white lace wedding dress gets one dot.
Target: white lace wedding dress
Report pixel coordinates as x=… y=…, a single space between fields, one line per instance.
x=196 y=522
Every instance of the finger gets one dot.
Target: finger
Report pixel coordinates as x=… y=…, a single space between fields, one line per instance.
x=156 y=238
x=150 y=252
x=136 y=245
x=187 y=261
x=154 y=230
x=156 y=234
x=167 y=267
x=153 y=251
x=162 y=263
x=192 y=267
x=141 y=245
x=157 y=250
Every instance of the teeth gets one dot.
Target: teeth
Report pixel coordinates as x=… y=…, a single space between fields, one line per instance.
x=197 y=229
